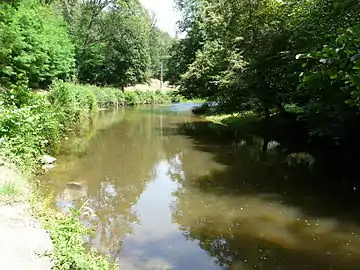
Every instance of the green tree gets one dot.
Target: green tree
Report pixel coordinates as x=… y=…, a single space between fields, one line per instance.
x=111 y=39
x=183 y=51
x=330 y=89
x=35 y=47
x=160 y=43
x=243 y=54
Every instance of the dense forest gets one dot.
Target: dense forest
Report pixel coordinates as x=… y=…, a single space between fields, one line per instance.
x=272 y=56
x=265 y=56
x=82 y=53
x=102 y=42
x=60 y=62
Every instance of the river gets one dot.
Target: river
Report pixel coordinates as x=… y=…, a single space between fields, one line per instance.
x=171 y=191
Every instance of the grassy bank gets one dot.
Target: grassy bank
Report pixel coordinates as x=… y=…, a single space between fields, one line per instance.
x=33 y=124
x=252 y=122
x=237 y=121
x=67 y=235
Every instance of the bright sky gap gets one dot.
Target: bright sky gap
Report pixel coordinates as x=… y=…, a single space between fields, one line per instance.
x=165 y=13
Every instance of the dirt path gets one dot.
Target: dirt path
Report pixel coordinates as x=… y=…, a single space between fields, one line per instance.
x=154 y=84
x=23 y=241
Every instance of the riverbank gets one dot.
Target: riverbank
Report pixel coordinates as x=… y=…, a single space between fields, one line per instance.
x=233 y=120
x=335 y=161
x=32 y=125
x=25 y=243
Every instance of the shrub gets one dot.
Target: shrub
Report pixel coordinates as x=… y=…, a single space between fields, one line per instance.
x=67 y=234
x=29 y=131
x=32 y=124
x=34 y=45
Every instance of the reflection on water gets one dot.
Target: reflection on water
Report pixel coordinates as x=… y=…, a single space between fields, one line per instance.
x=171 y=192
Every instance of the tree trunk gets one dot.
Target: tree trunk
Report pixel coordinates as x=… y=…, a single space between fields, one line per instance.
x=281 y=109
x=267 y=114
x=264 y=149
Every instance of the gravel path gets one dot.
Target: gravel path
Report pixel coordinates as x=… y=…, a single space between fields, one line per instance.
x=23 y=242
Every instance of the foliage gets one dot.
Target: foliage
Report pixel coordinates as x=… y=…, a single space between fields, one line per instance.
x=66 y=96
x=212 y=74
x=160 y=44
x=34 y=45
x=109 y=42
x=182 y=54
x=30 y=130
x=115 y=41
x=183 y=51
x=67 y=234
x=331 y=83
x=264 y=55
x=72 y=102
x=9 y=189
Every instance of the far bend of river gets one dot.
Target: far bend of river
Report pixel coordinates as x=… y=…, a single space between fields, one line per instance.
x=170 y=191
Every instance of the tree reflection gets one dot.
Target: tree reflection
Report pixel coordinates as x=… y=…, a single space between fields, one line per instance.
x=261 y=209
x=117 y=166
x=251 y=202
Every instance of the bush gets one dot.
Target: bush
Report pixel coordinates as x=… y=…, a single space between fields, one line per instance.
x=67 y=234
x=74 y=103
x=34 y=45
x=32 y=124
x=29 y=131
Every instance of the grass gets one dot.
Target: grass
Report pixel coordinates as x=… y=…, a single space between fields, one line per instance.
x=9 y=189
x=33 y=124
x=10 y=193
x=12 y=187
x=238 y=121
x=219 y=119
x=67 y=235
x=195 y=100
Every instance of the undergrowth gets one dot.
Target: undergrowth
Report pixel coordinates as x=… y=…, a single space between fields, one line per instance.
x=33 y=124
x=67 y=235
x=9 y=189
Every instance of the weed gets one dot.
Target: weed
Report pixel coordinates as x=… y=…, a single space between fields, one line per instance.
x=9 y=189
x=32 y=124
x=67 y=234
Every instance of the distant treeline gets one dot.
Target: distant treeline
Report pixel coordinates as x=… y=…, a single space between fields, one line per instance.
x=103 y=42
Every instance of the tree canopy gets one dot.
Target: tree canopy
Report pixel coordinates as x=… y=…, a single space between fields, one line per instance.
x=265 y=55
x=34 y=45
x=103 y=42
x=258 y=55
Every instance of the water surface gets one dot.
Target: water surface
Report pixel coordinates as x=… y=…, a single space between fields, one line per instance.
x=170 y=191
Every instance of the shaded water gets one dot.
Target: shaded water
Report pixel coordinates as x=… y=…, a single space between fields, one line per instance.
x=170 y=191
